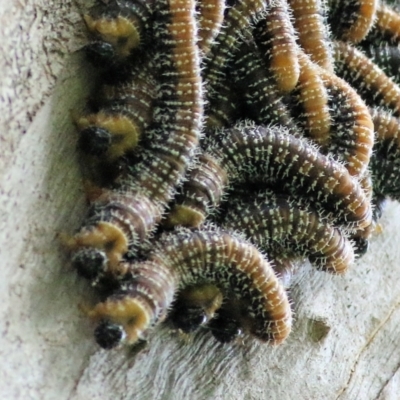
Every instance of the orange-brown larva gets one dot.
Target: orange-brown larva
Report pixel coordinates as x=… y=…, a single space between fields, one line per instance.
x=387 y=25
x=312 y=101
x=210 y=22
x=374 y=86
x=352 y=130
x=147 y=186
x=200 y=193
x=296 y=167
x=237 y=19
x=183 y=259
x=276 y=220
x=195 y=306
x=116 y=224
x=312 y=31
x=385 y=162
x=119 y=28
x=125 y=111
x=277 y=40
x=351 y=20
x=387 y=57
x=263 y=101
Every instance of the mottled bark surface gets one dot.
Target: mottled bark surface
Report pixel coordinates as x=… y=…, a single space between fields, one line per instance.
x=346 y=335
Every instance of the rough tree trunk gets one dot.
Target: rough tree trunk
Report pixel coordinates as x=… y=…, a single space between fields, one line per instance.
x=347 y=331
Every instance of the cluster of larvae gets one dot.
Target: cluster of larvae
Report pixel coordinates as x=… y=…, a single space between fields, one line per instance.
x=225 y=143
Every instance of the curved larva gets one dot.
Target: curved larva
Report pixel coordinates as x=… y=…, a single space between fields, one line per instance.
x=276 y=38
x=387 y=57
x=352 y=130
x=222 y=109
x=200 y=193
x=311 y=28
x=385 y=162
x=175 y=131
x=195 y=306
x=263 y=100
x=273 y=219
x=118 y=27
x=211 y=15
x=116 y=223
x=351 y=20
x=178 y=115
x=374 y=86
x=125 y=112
x=137 y=306
x=387 y=24
x=237 y=19
x=271 y=155
x=189 y=257
x=312 y=101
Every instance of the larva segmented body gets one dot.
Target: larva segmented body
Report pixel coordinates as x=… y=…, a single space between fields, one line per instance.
x=386 y=27
x=175 y=131
x=385 y=162
x=263 y=101
x=296 y=166
x=312 y=31
x=125 y=111
x=139 y=304
x=386 y=57
x=183 y=259
x=223 y=108
x=237 y=19
x=200 y=194
x=195 y=306
x=352 y=130
x=351 y=20
x=374 y=86
x=115 y=224
x=272 y=219
x=312 y=101
x=178 y=114
x=119 y=27
x=210 y=22
x=276 y=38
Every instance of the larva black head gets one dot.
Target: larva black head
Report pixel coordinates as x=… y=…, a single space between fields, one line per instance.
x=108 y=334
x=225 y=328
x=100 y=54
x=94 y=141
x=90 y=263
x=361 y=246
x=380 y=204
x=188 y=319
